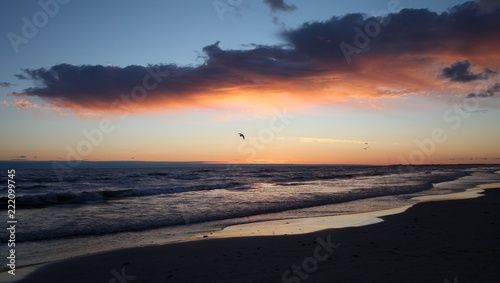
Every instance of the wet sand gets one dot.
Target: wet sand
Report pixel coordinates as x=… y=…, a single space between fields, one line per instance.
x=445 y=241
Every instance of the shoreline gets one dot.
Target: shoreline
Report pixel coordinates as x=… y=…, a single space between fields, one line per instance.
x=69 y=243
x=91 y=262
x=315 y=224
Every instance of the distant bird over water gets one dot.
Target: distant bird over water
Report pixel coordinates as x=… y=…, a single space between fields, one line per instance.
x=241 y=135
x=366 y=147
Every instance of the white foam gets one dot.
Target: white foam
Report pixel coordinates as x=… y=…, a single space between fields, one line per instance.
x=305 y=225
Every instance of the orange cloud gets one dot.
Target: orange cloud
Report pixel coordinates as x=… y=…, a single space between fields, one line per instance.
x=320 y=140
x=403 y=53
x=24 y=103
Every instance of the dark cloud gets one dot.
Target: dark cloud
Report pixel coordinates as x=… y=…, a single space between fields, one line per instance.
x=280 y=5
x=460 y=72
x=5 y=84
x=462 y=30
x=488 y=6
x=384 y=49
x=98 y=87
x=21 y=77
x=489 y=92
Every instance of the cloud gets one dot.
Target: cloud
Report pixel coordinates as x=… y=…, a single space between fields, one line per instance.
x=460 y=72
x=320 y=140
x=408 y=32
x=490 y=91
x=488 y=6
x=401 y=51
x=21 y=77
x=5 y=84
x=224 y=72
x=24 y=103
x=280 y=5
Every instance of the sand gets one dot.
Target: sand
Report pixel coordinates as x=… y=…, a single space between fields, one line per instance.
x=445 y=241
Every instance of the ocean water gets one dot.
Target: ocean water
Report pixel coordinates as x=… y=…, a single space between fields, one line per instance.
x=90 y=210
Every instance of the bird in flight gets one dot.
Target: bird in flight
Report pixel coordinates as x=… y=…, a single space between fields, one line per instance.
x=241 y=135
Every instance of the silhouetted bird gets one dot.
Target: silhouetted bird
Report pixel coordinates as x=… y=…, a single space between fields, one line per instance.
x=241 y=135
x=365 y=148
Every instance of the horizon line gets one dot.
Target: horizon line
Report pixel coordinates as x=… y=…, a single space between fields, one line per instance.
x=230 y=163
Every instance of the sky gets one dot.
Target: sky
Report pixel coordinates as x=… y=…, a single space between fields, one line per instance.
x=308 y=82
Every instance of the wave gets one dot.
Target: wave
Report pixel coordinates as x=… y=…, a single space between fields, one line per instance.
x=32 y=187
x=72 y=197
x=189 y=217
x=182 y=213
x=80 y=197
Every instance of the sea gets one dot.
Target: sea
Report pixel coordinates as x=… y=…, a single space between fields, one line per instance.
x=99 y=207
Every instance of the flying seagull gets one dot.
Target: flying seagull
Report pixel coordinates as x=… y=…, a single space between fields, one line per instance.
x=241 y=135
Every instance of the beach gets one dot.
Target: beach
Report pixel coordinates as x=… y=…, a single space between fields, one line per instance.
x=250 y=141
x=434 y=241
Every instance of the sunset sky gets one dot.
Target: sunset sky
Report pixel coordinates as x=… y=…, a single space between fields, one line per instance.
x=322 y=81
